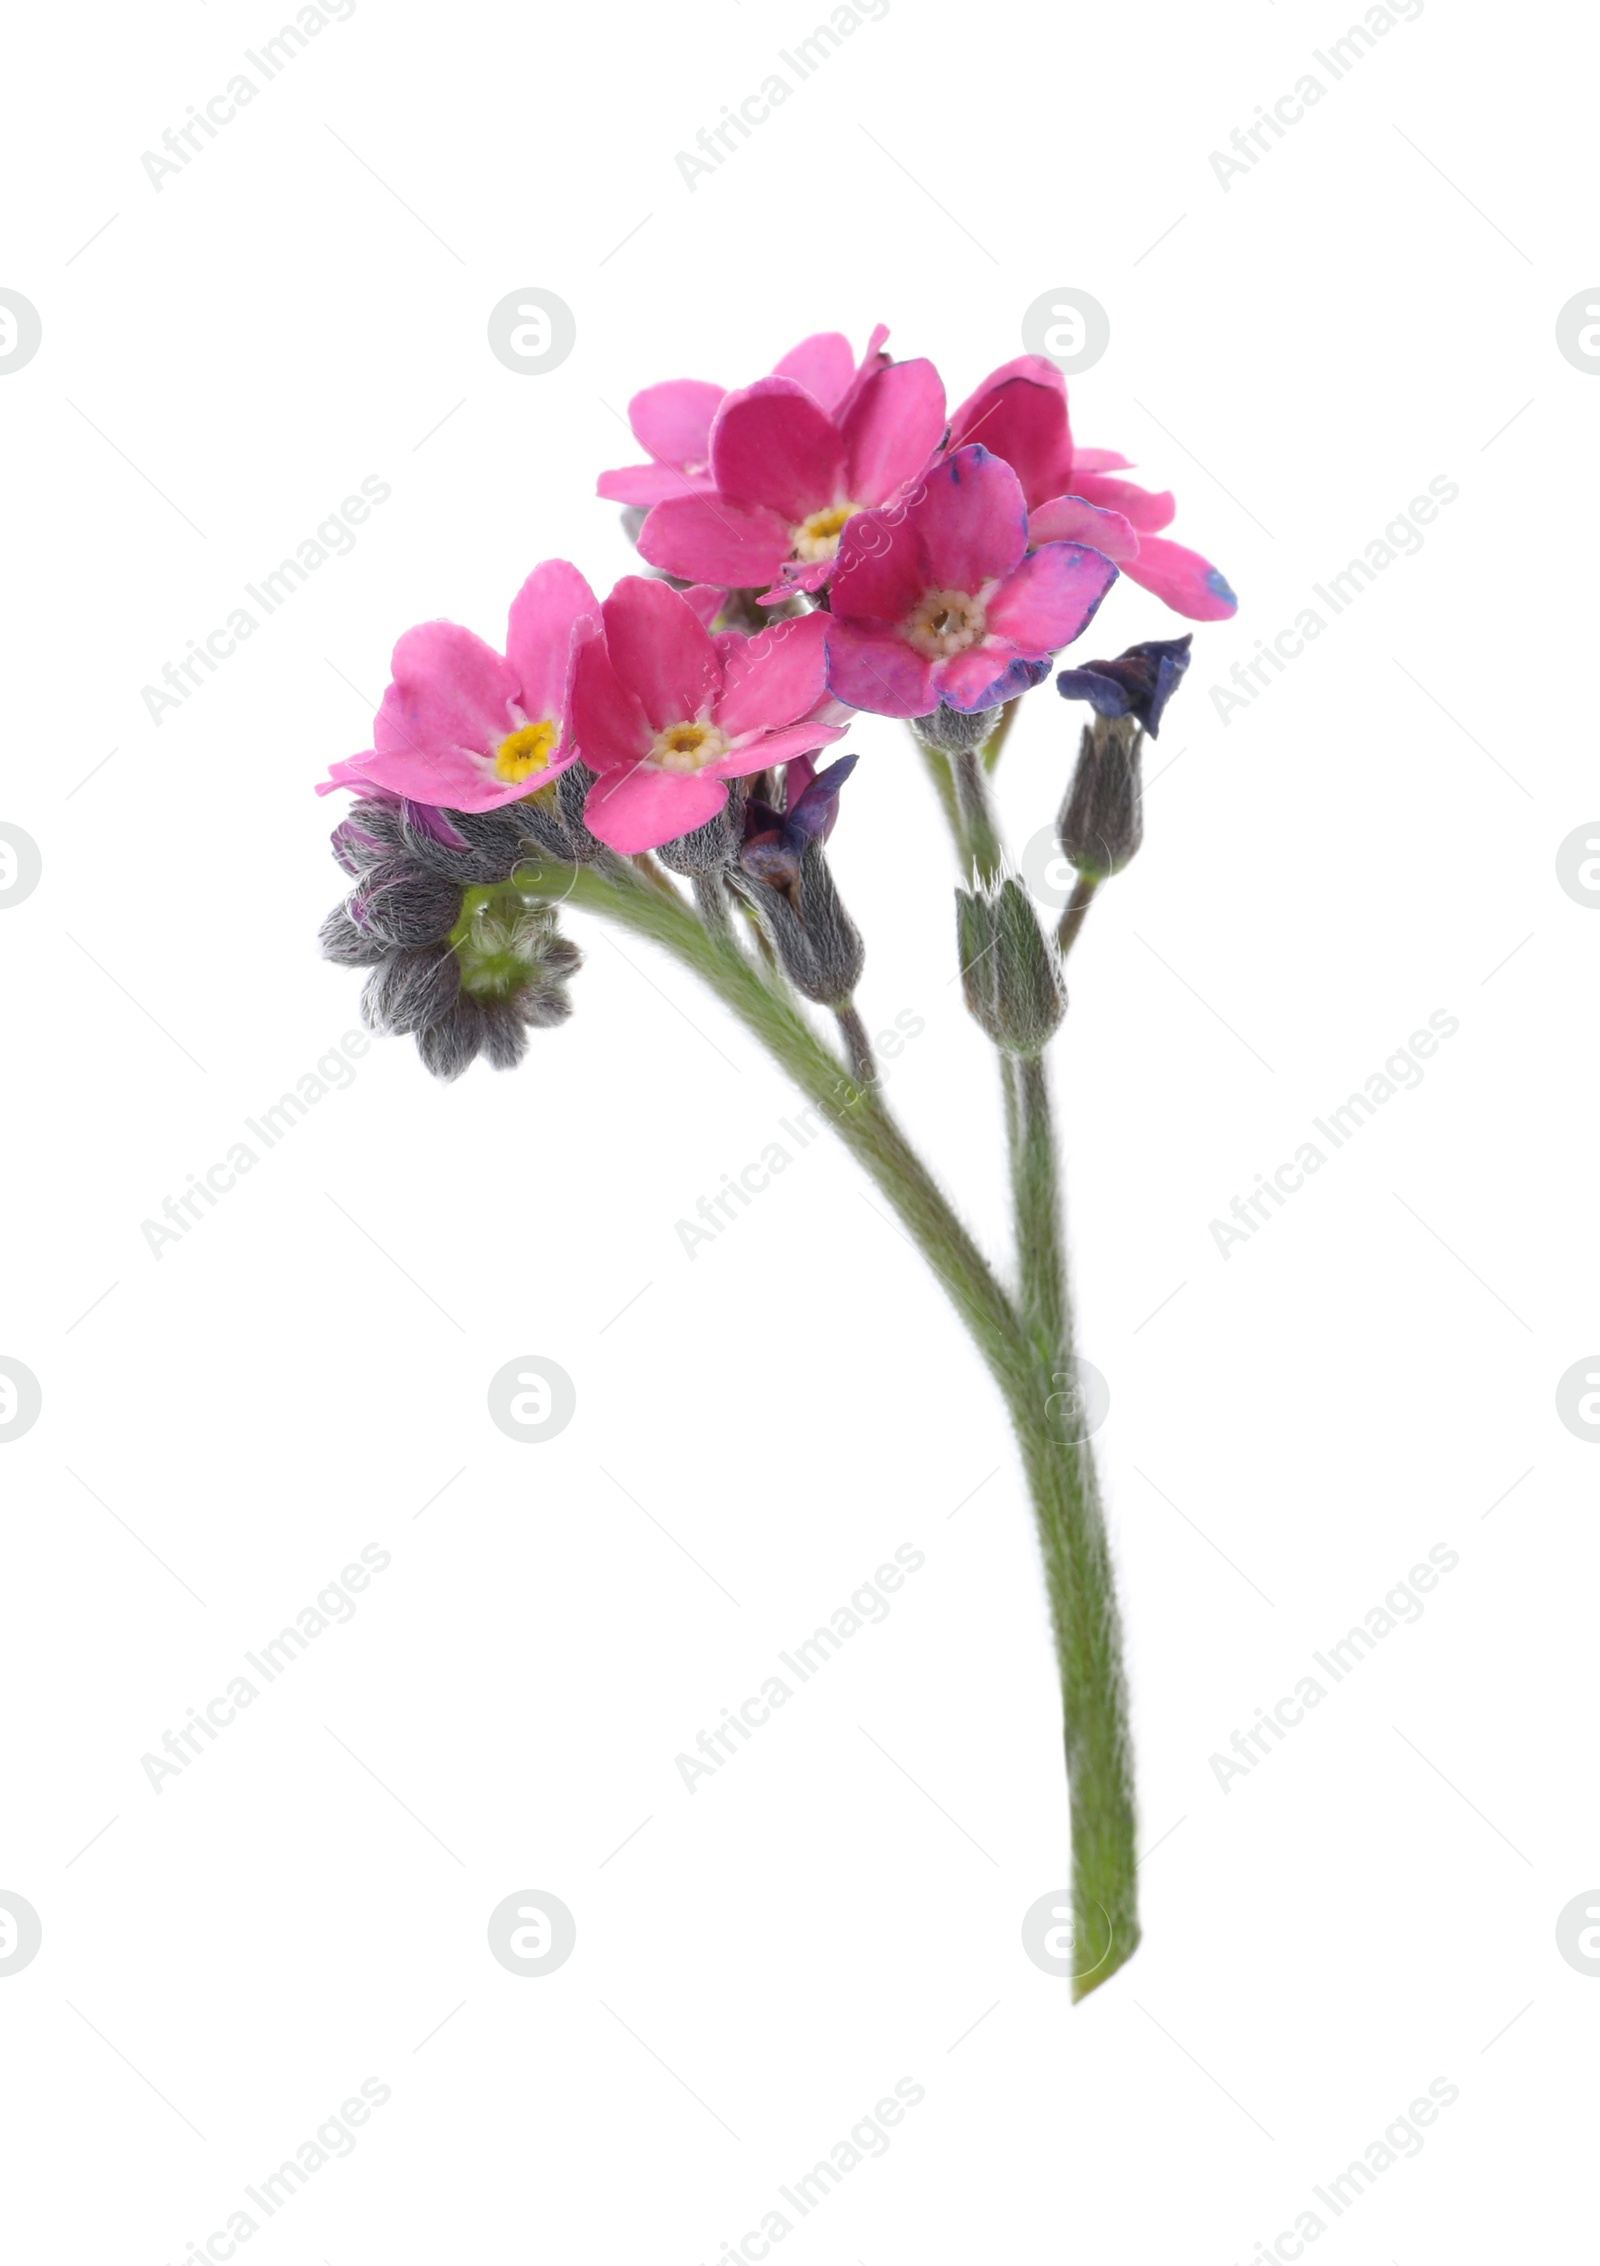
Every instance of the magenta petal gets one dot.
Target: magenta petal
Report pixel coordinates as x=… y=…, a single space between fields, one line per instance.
x=762 y=748
x=672 y=422
x=1142 y=509
x=1100 y=460
x=1020 y=414
x=350 y=771
x=709 y=539
x=707 y=600
x=881 y=570
x=773 y=677
x=1051 y=598
x=972 y=520
x=610 y=726
x=642 y=485
x=660 y=652
x=797 y=575
x=823 y=364
x=1068 y=519
x=1190 y=584
x=893 y=430
x=771 y=444
x=878 y=670
x=871 y=362
x=443 y=718
x=551 y=616
x=640 y=808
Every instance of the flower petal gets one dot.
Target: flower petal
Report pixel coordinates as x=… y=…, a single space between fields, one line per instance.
x=1190 y=584
x=972 y=520
x=824 y=364
x=882 y=568
x=610 y=726
x=1100 y=460
x=774 y=677
x=709 y=539
x=893 y=429
x=1020 y=413
x=645 y=484
x=1051 y=598
x=660 y=652
x=762 y=748
x=1069 y=519
x=443 y=718
x=873 y=668
x=640 y=808
x=553 y=613
x=772 y=444
x=672 y=422
x=1137 y=505
x=986 y=675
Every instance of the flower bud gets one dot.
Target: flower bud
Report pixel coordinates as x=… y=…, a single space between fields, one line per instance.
x=814 y=937
x=708 y=848
x=1102 y=820
x=1010 y=974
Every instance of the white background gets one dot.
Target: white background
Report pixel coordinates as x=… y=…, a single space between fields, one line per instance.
x=1374 y=839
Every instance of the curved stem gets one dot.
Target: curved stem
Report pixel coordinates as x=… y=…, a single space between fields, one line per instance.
x=1077 y=912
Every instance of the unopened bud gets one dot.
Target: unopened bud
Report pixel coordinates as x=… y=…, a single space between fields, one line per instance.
x=1102 y=820
x=712 y=846
x=814 y=937
x=1010 y=974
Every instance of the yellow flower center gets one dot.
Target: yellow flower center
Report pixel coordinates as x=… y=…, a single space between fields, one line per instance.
x=688 y=747
x=526 y=751
x=944 y=622
x=818 y=537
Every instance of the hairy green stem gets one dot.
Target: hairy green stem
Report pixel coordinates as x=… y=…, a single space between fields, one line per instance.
x=985 y=853
x=1076 y=913
x=1028 y=1354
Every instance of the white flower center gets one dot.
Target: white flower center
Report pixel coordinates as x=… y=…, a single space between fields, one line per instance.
x=688 y=748
x=944 y=622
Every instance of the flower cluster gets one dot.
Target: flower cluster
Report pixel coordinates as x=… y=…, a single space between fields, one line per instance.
x=826 y=540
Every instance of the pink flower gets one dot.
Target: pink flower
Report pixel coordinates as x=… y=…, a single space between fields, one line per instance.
x=465 y=728
x=939 y=598
x=668 y=715
x=1020 y=412
x=672 y=422
x=790 y=459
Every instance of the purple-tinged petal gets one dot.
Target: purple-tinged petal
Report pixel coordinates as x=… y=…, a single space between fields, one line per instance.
x=1069 y=519
x=1138 y=683
x=1051 y=598
x=1189 y=584
x=876 y=669
x=972 y=520
x=1141 y=508
x=986 y=675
